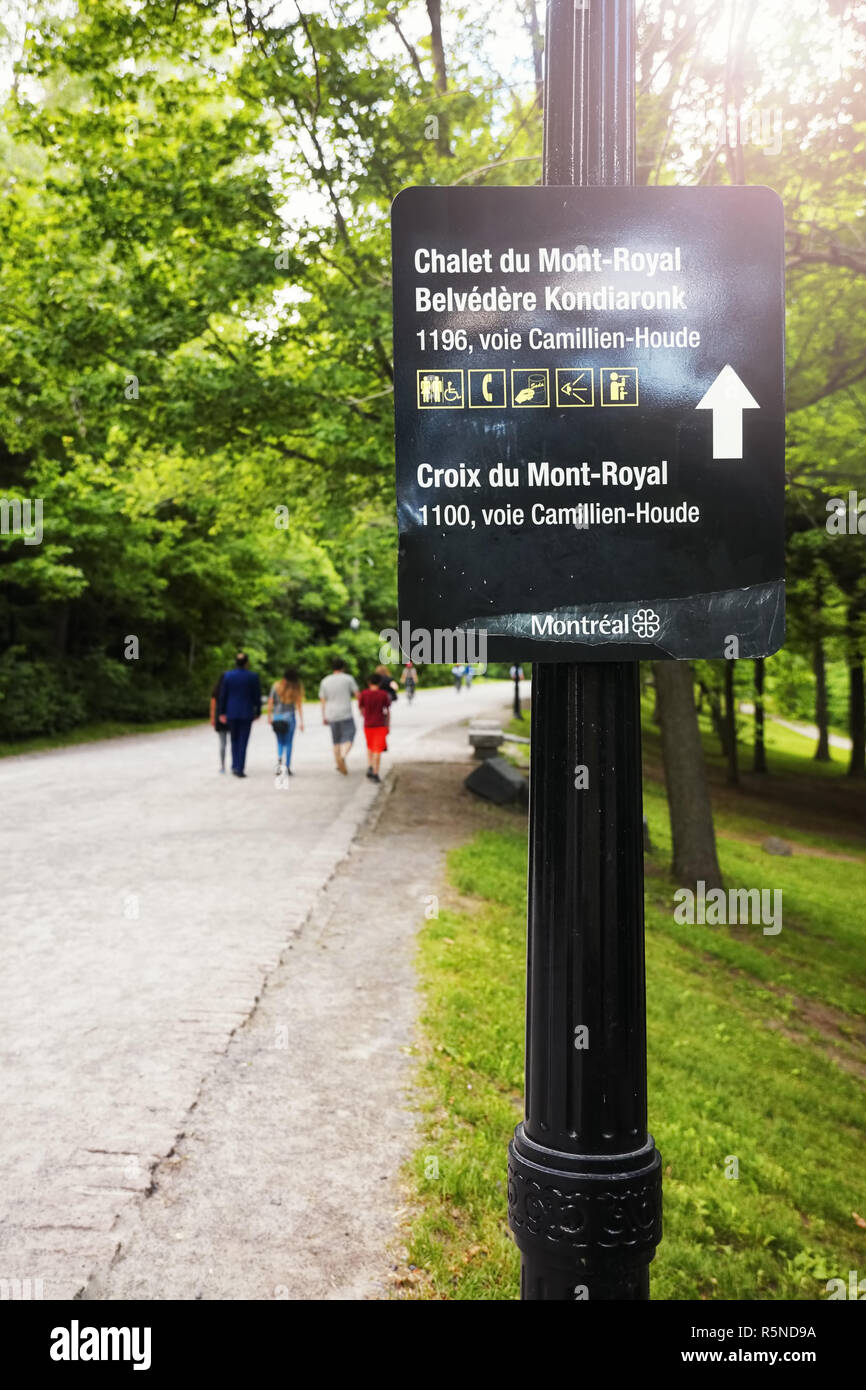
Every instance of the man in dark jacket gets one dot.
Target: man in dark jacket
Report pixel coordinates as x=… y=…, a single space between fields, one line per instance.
x=240 y=702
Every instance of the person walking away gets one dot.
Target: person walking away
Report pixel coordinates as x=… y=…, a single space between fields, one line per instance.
x=387 y=682
x=457 y=673
x=410 y=679
x=375 y=703
x=240 y=703
x=222 y=731
x=285 y=709
x=335 y=694
x=468 y=675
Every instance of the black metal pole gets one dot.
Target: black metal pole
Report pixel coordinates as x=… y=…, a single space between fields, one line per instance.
x=518 y=712
x=584 y=1177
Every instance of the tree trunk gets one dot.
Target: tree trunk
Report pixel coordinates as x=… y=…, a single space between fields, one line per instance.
x=689 y=806
x=856 y=718
x=731 y=724
x=440 y=73
x=716 y=718
x=530 y=19
x=759 y=762
x=822 y=718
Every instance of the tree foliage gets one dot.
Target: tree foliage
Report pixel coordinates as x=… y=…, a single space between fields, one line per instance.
x=195 y=349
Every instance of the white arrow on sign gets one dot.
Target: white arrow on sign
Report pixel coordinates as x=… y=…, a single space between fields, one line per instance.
x=727 y=398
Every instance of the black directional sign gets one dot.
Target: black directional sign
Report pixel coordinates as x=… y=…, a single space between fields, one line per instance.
x=589 y=397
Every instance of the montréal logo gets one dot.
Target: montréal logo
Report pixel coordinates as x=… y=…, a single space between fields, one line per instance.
x=645 y=623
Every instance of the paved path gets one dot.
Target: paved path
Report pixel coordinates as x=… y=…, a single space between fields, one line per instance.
x=148 y=901
x=807 y=730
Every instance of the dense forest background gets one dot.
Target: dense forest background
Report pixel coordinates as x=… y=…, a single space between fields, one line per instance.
x=195 y=350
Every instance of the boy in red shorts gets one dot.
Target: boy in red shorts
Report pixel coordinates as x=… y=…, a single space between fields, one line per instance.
x=373 y=704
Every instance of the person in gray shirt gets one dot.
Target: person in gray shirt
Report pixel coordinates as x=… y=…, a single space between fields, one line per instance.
x=336 y=693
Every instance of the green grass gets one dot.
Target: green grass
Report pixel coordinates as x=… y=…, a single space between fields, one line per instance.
x=757 y=1049
x=90 y=733
x=517 y=753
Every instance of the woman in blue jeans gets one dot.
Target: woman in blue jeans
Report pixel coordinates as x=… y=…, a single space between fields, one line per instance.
x=285 y=706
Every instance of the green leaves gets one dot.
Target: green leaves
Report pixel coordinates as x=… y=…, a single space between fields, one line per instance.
x=195 y=292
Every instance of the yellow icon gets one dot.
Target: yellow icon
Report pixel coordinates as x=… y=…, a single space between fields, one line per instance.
x=440 y=390
x=619 y=386
x=487 y=388
x=575 y=386
x=530 y=387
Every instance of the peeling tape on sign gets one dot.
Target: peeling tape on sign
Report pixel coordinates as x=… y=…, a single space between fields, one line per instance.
x=690 y=622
